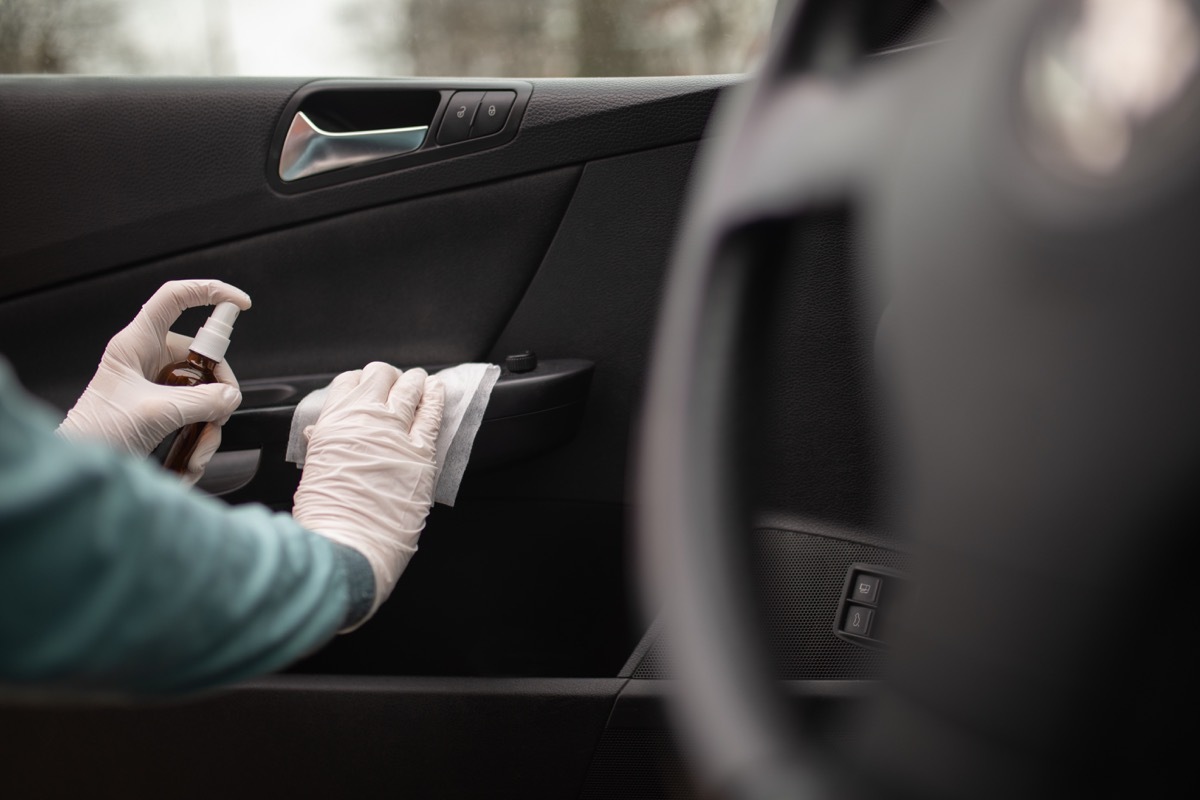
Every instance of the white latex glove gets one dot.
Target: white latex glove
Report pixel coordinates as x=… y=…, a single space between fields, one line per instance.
x=369 y=475
x=124 y=407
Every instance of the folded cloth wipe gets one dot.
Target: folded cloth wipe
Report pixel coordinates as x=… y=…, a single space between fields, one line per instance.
x=468 y=388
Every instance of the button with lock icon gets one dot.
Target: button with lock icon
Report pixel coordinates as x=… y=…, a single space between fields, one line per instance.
x=460 y=114
x=493 y=113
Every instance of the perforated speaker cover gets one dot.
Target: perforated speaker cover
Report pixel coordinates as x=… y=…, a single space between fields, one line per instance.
x=636 y=764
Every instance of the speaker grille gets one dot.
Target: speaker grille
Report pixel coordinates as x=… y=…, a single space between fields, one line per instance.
x=636 y=764
x=920 y=24
x=801 y=578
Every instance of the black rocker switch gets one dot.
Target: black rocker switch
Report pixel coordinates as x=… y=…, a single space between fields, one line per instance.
x=863 y=601
x=858 y=620
x=866 y=588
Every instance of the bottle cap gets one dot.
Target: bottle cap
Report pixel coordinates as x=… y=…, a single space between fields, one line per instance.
x=213 y=339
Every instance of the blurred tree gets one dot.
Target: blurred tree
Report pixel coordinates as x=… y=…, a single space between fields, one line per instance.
x=605 y=46
x=703 y=36
x=538 y=38
x=467 y=37
x=58 y=35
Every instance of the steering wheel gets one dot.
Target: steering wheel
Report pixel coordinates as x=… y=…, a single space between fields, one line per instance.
x=1025 y=196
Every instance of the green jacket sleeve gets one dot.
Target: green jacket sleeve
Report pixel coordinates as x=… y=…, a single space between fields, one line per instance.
x=117 y=580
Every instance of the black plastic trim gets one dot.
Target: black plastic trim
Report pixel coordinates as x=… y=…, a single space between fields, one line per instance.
x=642 y=703
x=317 y=736
x=554 y=382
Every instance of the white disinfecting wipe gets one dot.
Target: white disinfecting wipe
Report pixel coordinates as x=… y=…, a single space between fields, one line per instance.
x=468 y=389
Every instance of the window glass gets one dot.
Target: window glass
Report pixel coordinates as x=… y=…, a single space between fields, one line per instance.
x=484 y=38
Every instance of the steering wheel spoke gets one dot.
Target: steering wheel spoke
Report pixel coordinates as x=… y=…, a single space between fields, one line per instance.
x=805 y=142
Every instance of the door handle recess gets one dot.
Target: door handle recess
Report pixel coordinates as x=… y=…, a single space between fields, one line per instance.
x=308 y=150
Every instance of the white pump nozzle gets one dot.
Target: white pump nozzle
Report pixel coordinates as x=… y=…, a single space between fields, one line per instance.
x=213 y=339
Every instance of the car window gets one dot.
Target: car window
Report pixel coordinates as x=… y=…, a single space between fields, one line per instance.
x=484 y=38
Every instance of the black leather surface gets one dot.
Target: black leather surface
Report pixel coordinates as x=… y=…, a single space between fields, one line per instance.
x=100 y=173
x=512 y=587
x=596 y=296
x=430 y=281
x=97 y=170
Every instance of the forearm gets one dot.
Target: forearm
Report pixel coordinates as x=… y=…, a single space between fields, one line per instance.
x=114 y=579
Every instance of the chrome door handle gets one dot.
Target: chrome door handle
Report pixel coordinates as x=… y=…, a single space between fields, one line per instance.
x=308 y=150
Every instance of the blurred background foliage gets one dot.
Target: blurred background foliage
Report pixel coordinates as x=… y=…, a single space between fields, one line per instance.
x=59 y=35
x=514 y=38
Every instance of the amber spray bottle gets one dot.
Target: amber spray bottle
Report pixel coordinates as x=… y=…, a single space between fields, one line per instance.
x=206 y=351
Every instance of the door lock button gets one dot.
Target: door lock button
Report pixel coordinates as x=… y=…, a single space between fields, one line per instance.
x=493 y=113
x=456 y=124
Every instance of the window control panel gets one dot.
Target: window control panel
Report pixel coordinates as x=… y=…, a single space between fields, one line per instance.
x=867 y=597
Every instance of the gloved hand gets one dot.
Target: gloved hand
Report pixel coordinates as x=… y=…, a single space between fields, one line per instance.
x=370 y=471
x=124 y=407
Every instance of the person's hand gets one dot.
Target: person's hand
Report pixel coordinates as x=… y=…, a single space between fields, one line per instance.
x=370 y=470
x=124 y=407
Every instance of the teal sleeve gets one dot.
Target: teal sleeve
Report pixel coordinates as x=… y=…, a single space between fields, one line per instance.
x=117 y=580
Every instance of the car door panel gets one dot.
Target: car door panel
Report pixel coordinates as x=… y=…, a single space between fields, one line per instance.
x=519 y=602
x=102 y=173
x=437 y=280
